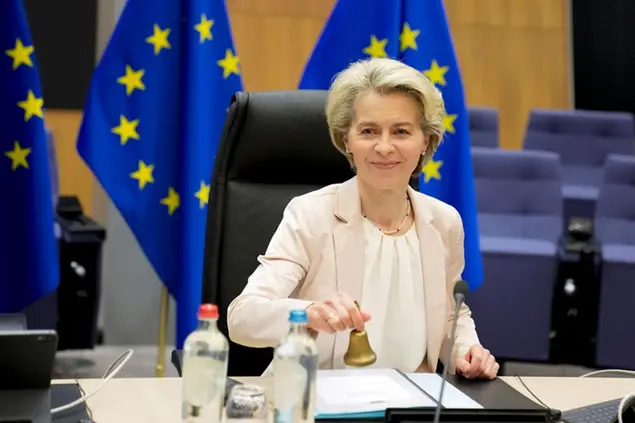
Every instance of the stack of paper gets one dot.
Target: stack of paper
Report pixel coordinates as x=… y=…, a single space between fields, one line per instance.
x=369 y=392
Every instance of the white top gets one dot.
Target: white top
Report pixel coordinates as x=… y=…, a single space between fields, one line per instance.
x=393 y=295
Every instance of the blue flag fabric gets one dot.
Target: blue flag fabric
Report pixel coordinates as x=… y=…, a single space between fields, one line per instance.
x=29 y=266
x=417 y=33
x=154 y=116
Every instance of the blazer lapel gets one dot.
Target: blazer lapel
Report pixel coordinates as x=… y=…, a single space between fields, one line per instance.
x=433 y=271
x=348 y=238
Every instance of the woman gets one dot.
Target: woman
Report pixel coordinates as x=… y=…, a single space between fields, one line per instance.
x=372 y=239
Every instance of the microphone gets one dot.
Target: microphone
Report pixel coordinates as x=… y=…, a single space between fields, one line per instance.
x=460 y=292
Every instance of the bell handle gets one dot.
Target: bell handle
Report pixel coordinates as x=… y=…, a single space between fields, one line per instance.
x=359 y=308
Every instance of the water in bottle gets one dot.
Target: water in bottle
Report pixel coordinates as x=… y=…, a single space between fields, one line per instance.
x=205 y=354
x=294 y=373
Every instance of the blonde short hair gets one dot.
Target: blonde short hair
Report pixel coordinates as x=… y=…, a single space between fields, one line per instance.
x=384 y=76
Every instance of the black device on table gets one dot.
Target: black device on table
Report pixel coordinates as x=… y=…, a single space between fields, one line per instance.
x=415 y=415
x=601 y=412
x=26 y=368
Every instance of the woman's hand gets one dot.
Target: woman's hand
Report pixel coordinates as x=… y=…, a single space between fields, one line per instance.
x=477 y=363
x=337 y=314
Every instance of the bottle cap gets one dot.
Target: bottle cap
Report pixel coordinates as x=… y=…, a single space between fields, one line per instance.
x=208 y=311
x=298 y=316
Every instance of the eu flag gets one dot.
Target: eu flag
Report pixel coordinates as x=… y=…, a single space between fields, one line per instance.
x=417 y=33
x=153 y=119
x=28 y=249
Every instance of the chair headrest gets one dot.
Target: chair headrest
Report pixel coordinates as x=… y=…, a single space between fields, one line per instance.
x=281 y=137
x=620 y=170
x=515 y=164
x=483 y=118
x=582 y=122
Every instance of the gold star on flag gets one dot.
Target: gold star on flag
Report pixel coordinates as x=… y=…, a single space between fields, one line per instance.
x=143 y=174
x=448 y=122
x=377 y=48
x=159 y=39
x=32 y=106
x=172 y=201
x=436 y=73
x=431 y=170
x=18 y=156
x=204 y=28
x=132 y=80
x=20 y=54
x=408 y=38
x=126 y=130
x=229 y=64
x=202 y=194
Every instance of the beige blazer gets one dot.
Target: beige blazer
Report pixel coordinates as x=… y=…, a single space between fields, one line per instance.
x=318 y=251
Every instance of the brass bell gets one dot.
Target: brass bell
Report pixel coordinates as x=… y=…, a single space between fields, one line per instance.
x=359 y=352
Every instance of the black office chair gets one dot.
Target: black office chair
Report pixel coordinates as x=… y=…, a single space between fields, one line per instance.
x=275 y=146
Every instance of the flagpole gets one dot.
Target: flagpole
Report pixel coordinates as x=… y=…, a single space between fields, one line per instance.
x=163 y=328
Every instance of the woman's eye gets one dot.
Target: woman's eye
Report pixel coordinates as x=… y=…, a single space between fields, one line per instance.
x=402 y=131
x=367 y=131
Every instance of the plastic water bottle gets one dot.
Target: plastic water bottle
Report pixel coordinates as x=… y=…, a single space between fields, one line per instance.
x=294 y=373
x=205 y=354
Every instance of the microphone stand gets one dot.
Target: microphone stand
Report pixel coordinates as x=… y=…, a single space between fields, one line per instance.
x=459 y=298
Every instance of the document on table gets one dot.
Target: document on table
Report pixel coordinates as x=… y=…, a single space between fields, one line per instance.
x=369 y=392
x=366 y=392
x=452 y=397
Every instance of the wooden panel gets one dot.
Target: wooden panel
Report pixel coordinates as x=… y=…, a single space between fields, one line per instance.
x=75 y=177
x=274 y=39
x=514 y=56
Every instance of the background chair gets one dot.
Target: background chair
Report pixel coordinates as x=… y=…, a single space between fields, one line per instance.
x=519 y=204
x=583 y=139
x=53 y=170
x=484 y=126
x=615 y=229
x=275 y=146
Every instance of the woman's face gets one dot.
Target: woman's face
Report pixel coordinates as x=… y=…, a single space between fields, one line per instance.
x=385 y=139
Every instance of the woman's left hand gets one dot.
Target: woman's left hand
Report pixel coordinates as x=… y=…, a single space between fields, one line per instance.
x=477 y=363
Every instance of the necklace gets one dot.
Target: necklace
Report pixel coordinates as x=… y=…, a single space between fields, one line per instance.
x=393 y=231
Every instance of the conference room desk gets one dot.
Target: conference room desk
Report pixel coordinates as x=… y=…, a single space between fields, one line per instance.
x=157 y=400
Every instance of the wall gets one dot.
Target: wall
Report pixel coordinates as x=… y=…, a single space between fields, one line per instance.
x=65 y=40
x=513 y=55
x=75 y=176
x=604 y=54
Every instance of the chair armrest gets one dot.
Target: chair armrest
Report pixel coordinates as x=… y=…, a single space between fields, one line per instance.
x=511 y=245
x=580 y=192
x=177 y=361
x=619 y=253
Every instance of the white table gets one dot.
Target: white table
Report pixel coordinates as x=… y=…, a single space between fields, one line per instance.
x=157 y=400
